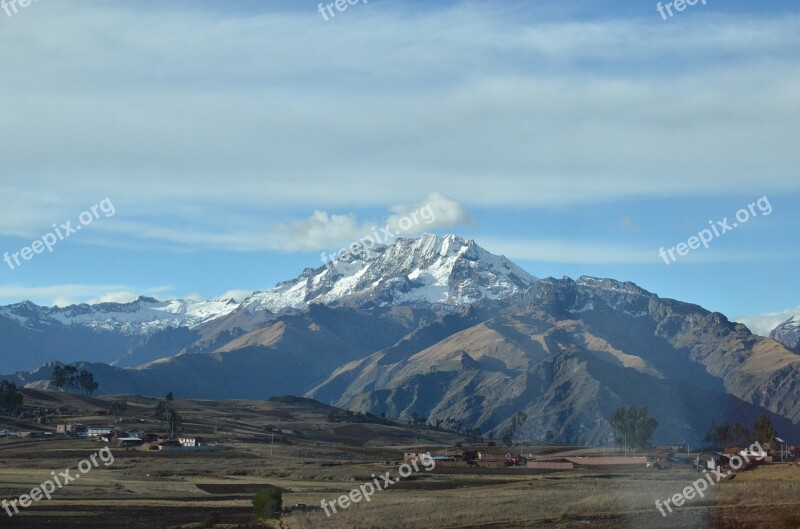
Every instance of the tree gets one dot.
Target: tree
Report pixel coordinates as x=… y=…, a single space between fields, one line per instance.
x=623 y=426
x=70 y=378
x=166 y=410
x=473 y=435
x=740 y=434
x=86 y=382
x=418 y=420
x=10 y=398
x=118 y=407
x=633 y=428
x=268 y=503
x=516 y=421
x=59 y=378
x=763 y=431
x=723 y=435
x=164 y=406
x=645 y=428
x=161 y=410
x=175 y=421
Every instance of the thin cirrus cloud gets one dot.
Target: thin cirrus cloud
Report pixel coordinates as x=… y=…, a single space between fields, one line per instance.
x=573 y=251
x=71 y=294
x=247 y=112
x=76 y=293
x=569 y=251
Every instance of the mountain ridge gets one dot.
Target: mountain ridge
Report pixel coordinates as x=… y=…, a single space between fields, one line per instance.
x=440 y=328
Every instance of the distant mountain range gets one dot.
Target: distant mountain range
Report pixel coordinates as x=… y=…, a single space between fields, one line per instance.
x=433 y=326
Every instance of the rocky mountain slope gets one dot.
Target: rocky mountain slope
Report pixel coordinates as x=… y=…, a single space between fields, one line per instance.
x=568 y=352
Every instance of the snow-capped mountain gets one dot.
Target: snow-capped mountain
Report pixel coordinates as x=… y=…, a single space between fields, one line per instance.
x=447 y=270
x=429 y=269
x=140 y=317
x=788 y=333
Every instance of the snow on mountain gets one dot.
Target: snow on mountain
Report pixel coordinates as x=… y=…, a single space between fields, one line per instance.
x=448 y=270
x=142 y=316
x=788 y=333
x=431 y=269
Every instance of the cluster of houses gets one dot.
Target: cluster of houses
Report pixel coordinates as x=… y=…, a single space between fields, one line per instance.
x=491 y=457
x=666 y=457
x=711 y=460
x=140 y=439
x=481 y=456
x=125 y=433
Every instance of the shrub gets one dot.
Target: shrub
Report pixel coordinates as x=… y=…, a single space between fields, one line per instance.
x=267 y=503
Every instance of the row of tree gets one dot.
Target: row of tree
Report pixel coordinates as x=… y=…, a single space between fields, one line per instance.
x=66 y=378
x=633 y=428
x=723 y=434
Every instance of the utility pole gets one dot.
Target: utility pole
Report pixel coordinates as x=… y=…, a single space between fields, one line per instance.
x=271 y=443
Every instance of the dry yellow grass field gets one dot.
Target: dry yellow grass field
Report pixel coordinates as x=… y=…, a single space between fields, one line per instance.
x=312 y=462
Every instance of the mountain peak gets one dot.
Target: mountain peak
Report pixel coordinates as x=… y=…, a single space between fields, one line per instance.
x=788 y=333
x=426 y=269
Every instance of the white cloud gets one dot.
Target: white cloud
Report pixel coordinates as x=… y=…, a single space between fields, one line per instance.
x=436 y=212
x=64 y=302
x=323 y=231
x=121 y=296
x=248 y=113
x=763 y=324
x=318 y=231
x=236 y=295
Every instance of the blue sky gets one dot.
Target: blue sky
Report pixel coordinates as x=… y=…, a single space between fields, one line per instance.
x=238 y=140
